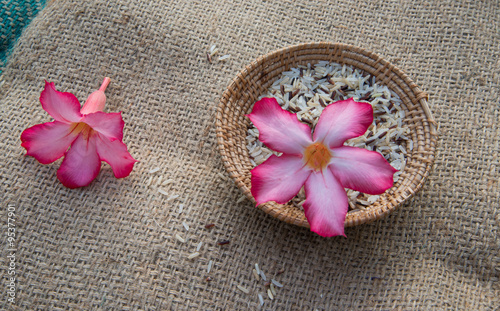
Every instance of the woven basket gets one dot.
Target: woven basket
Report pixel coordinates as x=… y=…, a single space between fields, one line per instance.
x=257 y=77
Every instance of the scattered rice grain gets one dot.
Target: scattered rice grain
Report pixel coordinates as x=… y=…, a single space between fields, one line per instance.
x=271 y=287
x=257 y=268
x=181 y=208
x=224 y=58
x=276 y=283
x=241 y=199
x=185 y=226
x=213 y=50
x=193 y=255
x=156 y=169
x=262 y=275
x=270 y=294
x=180 y=239
x=255 y=274
x=261 y=300
x=199 y=246
x=162 y=191
x=166 y=182
x=209 y=267
x=243 y=289
x=173 y=197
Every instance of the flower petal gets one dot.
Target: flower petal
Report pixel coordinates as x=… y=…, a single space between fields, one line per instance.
x=62 y=106
x=108 y=124
x=278 y=179
x=361 y=170
x=49 y=141
x=343 y=120
x=115 y=154
x=279 y=129
x=95 y=102
x=326 y=204
x=81 y=163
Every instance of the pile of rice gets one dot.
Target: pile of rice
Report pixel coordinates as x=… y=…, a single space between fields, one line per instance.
x=307 y=90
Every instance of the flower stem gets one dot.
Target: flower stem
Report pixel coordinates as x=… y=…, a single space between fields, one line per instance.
x=104 y=84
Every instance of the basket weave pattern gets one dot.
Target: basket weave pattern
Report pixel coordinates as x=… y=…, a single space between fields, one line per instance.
x=257 y=77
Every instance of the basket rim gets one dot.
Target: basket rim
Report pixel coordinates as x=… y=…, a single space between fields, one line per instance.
x=388 y=70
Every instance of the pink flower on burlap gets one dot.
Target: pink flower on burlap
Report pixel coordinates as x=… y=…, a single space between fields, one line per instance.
x=93 y=135
x=322 y=164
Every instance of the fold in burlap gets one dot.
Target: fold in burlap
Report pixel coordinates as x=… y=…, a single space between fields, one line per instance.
x=112 y=245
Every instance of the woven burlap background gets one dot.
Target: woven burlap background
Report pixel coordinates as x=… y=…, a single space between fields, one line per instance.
x=112 y=245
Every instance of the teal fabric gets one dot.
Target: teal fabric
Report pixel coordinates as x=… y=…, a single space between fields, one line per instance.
x=15 y=15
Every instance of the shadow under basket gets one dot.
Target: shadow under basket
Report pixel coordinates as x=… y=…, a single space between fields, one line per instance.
x=254 y=81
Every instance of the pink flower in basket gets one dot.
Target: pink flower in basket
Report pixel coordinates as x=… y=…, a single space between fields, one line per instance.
x=321 y=163
x=93 y=135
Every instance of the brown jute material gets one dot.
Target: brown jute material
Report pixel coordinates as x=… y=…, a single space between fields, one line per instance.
x=255 y=79
x=113 y=245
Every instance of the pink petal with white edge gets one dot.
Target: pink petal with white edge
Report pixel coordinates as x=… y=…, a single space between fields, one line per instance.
x=278 y=179
x=49 y=141
x=341 y=121
x=279 y=129
x=81 y=164
x=108 y=124
x=361 y=170
x=115 y=154
x=62 y=106
x=326 y=204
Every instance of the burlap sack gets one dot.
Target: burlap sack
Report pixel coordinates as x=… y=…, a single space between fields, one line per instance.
x=112 y=245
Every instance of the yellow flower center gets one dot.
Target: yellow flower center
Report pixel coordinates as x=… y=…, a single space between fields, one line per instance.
x=82 y=128
x=317 y=156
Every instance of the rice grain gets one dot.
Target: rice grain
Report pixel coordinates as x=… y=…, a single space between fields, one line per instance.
x=243 y=289
x=180 y=239
x=270 y=294
x=167 y=182
x=262 y=275
x=255 y=274
x=271 y=287
x=193 y=255
x=257 y=268
x=241 y=199
x=276 y=283
x=173 y=197
x=261 y=300
x=154 y=170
